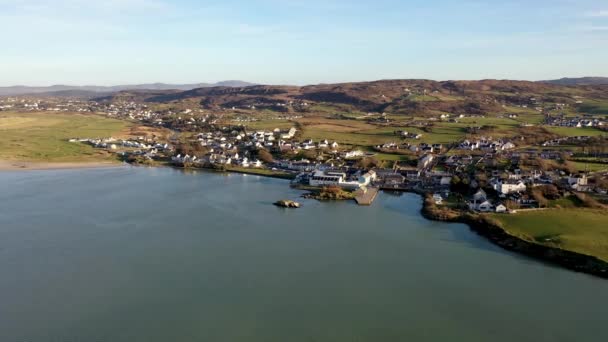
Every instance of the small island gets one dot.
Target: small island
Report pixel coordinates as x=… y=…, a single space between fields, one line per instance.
x=287 y=204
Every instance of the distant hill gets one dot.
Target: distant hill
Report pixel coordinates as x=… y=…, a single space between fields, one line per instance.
x=579 y=81
x=416 y=97
x=63 y=90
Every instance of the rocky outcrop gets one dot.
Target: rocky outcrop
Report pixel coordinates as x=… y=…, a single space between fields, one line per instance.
x=287 y=204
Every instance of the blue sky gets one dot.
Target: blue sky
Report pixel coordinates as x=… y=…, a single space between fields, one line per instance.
x=298 y=41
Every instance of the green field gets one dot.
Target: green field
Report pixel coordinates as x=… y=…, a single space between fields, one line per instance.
x=594 y=107
x=580 y=230
x=267 y=125
x=43 y=137
x=591 y=167
x=575 y=132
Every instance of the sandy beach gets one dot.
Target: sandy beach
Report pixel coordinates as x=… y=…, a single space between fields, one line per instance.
x=24 y=165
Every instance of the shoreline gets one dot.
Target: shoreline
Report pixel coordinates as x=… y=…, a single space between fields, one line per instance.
x=6 y=165
x=497 y=235
x=478 y=224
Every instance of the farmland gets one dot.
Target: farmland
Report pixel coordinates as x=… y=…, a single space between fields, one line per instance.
x=580 y=230
x=43 y=137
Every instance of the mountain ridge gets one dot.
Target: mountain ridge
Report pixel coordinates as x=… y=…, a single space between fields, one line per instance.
x=577 y=81
x=33 y=90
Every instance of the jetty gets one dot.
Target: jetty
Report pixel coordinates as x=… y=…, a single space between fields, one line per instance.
x=366 y=196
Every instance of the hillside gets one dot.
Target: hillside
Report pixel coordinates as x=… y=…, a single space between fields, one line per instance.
x=59 y=89
x=416 y=97
x=579 y=81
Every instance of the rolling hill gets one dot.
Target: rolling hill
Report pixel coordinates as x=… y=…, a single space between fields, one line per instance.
x=391 y=96
x=86 y=90
x=579 y=81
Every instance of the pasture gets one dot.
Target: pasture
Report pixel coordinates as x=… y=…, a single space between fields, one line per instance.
x=580 y=230
x=43 y=137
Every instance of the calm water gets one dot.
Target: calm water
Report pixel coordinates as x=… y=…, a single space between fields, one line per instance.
x=135 y=254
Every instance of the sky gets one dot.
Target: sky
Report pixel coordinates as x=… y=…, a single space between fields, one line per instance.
x=85 y=42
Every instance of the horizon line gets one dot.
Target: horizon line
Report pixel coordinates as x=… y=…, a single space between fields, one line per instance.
x=130 y=84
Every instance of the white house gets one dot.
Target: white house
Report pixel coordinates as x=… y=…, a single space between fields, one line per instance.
x=485 y=206
x=290 y=134
x=509 y=186
x=578 y=182
x=367 y=178
x=501 y=208
x=354 y=154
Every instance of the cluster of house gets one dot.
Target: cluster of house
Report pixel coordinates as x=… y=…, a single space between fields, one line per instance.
x=565 y=141
x=44 y=104
x=563 y=121
x=217 y=159
x=264 y=104
x=486 y=144
x=141 y=146
x=480 y=202
x=128 y=110
x=278 y=139
x=229 y=146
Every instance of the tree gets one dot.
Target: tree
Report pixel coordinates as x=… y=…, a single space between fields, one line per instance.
x=367 y=163
x=265 y=156
x=537 y=194
x=460 y=185
x=549 y=191
x=184 y=148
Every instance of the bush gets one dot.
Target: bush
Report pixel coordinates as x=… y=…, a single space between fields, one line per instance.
x=265 y=156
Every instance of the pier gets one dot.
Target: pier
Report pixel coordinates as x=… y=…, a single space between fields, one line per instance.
x=366 y=196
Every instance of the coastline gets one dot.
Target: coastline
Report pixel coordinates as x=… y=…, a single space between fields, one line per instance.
x=499 y=236
x=479 y=224
x=6 y=165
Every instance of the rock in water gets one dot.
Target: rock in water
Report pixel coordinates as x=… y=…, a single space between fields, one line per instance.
x=287 y=204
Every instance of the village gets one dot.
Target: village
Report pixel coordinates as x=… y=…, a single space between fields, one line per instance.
x=481 y=175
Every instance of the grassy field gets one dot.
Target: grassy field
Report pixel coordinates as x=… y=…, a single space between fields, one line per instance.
x=580 y=230
x=591 y=167
x=268 y=125
x=260 y=172
x=594 y=107
x=574 y=132
x=43 y=137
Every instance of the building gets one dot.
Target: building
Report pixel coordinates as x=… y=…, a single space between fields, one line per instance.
x=501 y=208
x=578 y=182
x=394 y=179
x=509 y=186
x=425 y=161
x=354 y=154
x=327 y=178
x=367 y=178
x=290 y=134
x=332 y=178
